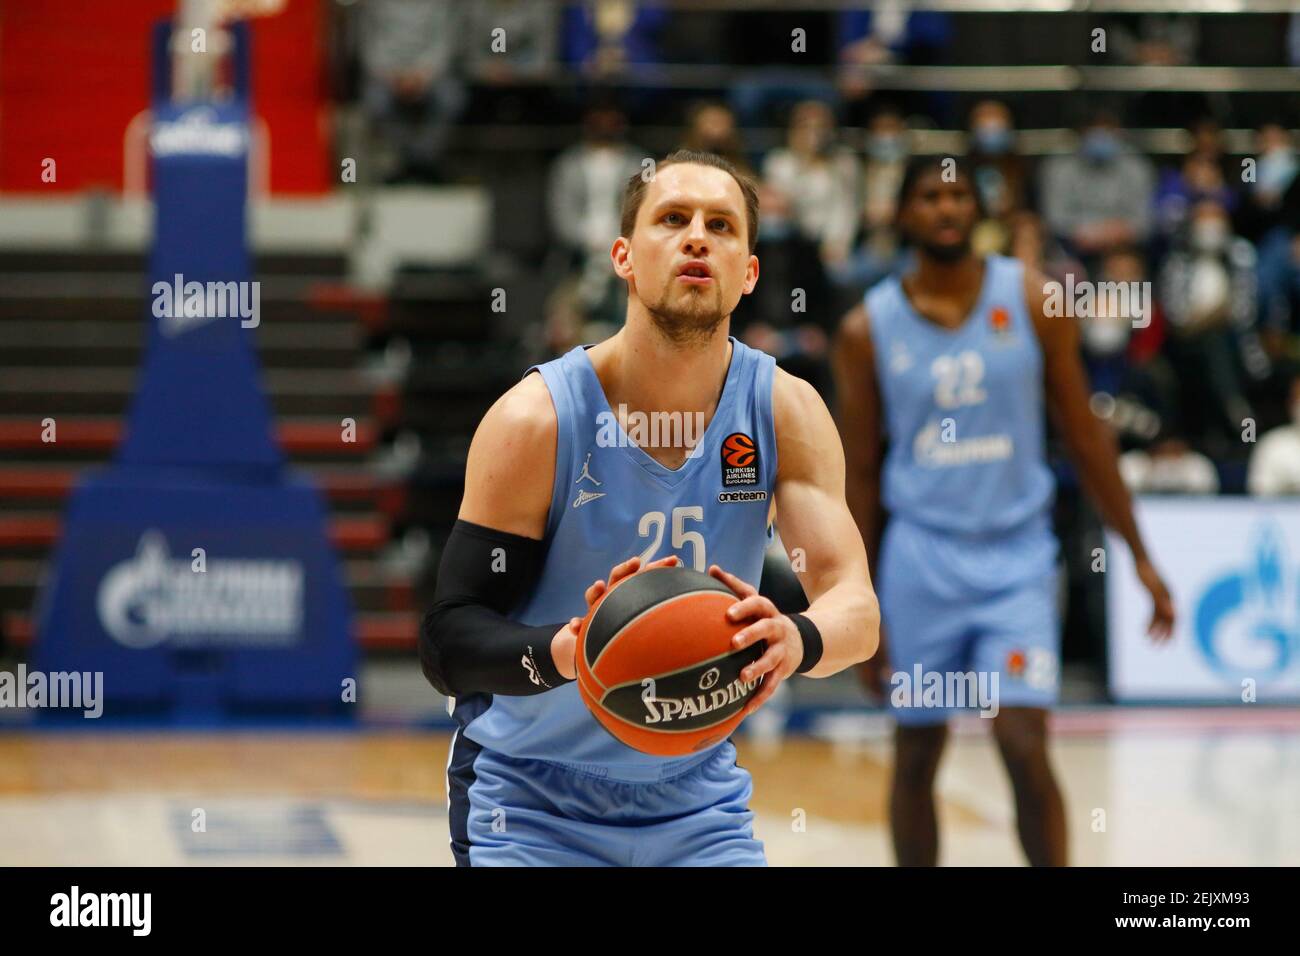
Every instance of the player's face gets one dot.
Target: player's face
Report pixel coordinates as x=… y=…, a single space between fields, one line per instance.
x=939 y=216
x=688 y=258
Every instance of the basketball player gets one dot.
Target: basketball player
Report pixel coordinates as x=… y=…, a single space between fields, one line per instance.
x=557 y=495
x=955 y=362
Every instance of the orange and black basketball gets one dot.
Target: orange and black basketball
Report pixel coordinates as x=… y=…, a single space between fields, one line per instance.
x=656 y=666
x=738 y=450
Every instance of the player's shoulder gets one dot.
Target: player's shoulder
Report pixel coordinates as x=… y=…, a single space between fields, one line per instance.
x=1037 y=286
x=807 y=441
x=523 y=418
x=528 y=403
x=873 y=315
x=511 y=465
x=1034 y=283
x=853 y=346
x=796 y=405
x=792 y=393
x=855 y=324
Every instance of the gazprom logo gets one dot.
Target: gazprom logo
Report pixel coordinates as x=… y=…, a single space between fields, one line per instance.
x=1247 y=621
x=198 y=132
x=152 y=598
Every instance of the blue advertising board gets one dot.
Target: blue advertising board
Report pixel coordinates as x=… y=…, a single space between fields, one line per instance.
x=196 y=571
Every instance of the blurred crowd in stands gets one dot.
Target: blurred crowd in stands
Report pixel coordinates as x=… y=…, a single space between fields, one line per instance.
x=1202 y=387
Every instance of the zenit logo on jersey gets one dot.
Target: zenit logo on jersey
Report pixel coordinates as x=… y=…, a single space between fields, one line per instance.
x=739 y=460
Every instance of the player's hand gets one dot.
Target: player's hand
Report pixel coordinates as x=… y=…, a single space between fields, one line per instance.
x=564 y=649
x=564 y=645
x=784 y=650
x=873 y=673
x=1161 y=627
x=620 y=571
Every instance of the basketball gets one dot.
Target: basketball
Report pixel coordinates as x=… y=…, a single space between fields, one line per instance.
x=655 y=663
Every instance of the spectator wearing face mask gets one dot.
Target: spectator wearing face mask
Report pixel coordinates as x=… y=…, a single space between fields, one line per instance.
x=1270 y=217
x=877 y=252
x=1130 y=391
x=1275 y=462
x=1100 y=196
x=1198 y=177
x=1276 y=166
x=1001 y=174
x=887 y=151
x=585 y=196
x=1208 y=288
x=816 y=179
x=809 y=193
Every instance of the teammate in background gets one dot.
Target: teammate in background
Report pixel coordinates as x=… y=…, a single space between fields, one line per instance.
x=954 y=362
x=555 y=497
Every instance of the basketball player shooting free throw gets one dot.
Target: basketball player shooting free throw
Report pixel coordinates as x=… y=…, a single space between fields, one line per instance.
x=551 y=504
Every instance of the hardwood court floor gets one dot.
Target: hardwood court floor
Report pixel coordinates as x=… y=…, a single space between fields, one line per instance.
x=1155 y=787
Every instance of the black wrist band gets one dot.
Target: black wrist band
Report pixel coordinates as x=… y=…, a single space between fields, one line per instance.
x=812 y=643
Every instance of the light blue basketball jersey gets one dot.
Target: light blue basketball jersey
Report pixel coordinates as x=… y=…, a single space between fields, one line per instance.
x=612 y=501
x=963 y=409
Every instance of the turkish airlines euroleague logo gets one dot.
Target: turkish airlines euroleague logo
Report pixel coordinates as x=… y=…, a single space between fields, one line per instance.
x=739 y=460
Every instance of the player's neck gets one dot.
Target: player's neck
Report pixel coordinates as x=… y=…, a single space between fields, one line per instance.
x=948 y=278
x=640 y=368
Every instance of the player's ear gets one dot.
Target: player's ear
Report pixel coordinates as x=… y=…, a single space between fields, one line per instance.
x=751 y=275
x=620 y=254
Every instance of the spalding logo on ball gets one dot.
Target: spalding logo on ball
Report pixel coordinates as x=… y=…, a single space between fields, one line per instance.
x=656 y=666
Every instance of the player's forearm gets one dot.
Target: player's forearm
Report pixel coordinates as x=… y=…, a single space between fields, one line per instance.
x=471 y=649
x=1098 y=464
x=468 y=644
x=848 y=617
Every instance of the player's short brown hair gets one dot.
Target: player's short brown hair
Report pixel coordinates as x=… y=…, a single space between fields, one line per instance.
x=634 y=191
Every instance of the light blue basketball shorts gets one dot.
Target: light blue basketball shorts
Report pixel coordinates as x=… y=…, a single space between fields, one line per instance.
x=510 y=812
x=960 y=641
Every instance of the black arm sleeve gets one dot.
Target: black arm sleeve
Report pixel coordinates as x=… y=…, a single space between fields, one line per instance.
x=467 y=644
